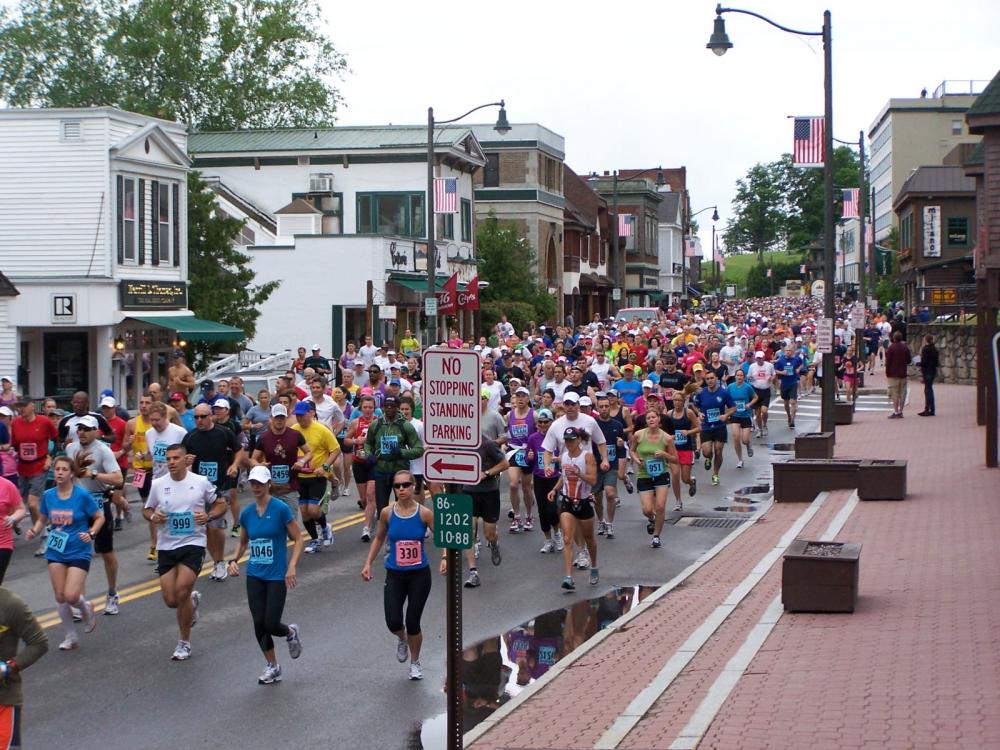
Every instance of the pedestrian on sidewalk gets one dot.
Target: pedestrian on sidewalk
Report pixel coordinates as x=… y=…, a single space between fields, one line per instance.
x=897 y=359
x=928 y=369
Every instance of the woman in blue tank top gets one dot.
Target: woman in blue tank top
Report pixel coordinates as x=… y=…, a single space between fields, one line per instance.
x=407 y=571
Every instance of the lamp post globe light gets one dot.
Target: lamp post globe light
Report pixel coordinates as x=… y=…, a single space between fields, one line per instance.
x=503 y=127
x=719 y=43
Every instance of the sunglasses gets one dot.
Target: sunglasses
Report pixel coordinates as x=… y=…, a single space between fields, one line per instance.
x=202 y=416
x=401 y=485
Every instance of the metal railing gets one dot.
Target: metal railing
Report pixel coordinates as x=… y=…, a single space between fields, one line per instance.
x=945 y=300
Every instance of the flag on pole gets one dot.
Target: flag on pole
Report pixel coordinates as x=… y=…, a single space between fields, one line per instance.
x=625 y=222
x=691 y=249
x=768 y=273
x=851 y=198
x=722 y=264
x=445 y=195
x=448 y=297
x=869 y=233
x=469 y=299
x=807 y=142
x=802 y=269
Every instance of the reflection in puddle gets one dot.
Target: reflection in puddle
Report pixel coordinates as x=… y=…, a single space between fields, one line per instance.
x=755 y=489
x=498 y=668
x=787 y=447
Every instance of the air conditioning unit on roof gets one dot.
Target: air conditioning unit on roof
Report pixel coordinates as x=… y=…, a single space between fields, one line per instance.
x=321 y=183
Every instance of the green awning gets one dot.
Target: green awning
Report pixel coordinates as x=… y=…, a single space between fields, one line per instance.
x=190 y=328
x=419 y=285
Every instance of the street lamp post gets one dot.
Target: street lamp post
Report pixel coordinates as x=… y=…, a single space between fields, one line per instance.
x=715 y=218
x=620 y=282
x=502 y=127
x=719 y=44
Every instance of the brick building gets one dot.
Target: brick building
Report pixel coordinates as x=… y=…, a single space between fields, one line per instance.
x=586 y=223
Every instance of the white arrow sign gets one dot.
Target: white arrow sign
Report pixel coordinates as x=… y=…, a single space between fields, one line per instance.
x=459 y=467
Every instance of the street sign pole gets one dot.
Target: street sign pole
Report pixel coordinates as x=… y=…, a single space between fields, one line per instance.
x=454 y=647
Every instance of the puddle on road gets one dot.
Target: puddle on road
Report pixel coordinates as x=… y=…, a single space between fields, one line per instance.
x=754 y=489
x=498 y=668
x=781 y=447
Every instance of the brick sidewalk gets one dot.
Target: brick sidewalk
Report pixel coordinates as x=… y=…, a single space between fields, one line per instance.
x=915 y=666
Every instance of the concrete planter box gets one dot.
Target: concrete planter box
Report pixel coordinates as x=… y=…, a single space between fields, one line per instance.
x=799 y=480
x=843 y=412
x=882 y=479
x=820 y=576
x=814 y=445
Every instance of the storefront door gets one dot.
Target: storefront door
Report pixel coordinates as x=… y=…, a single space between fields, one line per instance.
x=67 y=363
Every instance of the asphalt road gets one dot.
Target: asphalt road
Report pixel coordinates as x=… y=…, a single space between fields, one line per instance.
x=120 y=690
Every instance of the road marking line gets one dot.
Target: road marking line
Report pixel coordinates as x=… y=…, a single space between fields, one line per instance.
x=145 y=588
x=591 y=643
x=703 y=716
x=644 y=701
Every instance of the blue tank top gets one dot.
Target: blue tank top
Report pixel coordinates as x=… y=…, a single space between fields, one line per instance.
x=406 y=542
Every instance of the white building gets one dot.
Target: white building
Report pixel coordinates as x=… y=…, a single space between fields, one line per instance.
x=94 y=238
x=330 y=210
x=670 y=228
x=848 y=258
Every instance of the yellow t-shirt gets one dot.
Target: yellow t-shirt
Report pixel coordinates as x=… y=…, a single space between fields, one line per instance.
x=139 y=460
x=321 y=442
x=409 y=345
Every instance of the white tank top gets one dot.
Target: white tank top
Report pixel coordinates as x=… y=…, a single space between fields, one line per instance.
x=574 y=487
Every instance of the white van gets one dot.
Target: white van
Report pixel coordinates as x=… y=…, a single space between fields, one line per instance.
x=645 y=314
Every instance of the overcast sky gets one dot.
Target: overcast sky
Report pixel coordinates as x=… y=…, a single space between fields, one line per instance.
x=656 y=95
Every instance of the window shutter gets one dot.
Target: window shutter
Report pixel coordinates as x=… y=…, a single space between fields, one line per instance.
x=141 y=213
x=175 y=207
x=120 y=218
x=154 y=215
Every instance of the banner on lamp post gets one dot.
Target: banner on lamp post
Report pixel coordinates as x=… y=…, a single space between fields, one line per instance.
x=469 y=299
x=447 y=299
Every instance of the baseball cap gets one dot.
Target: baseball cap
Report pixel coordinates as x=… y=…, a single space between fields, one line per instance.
x=546 y=353
x=207 y=385
x=6 y=411
x=315 y=347
x=58 y=413
x=105 y=392
x=220 y=403
x=613 y=392
x=279 y=410
x=544 y=414
x=571 y=397
x=585 y=401
x=177 y=396
x=647 y=383
x=394 y=365
x=259 y=474
x=303 y=407
x=87 y=421
x=359 y=362
x=628 y=367
x=759 y=353
x=798 y=338
x=394 y=381
x=697 y=366
x=390 y=400
x=523 y=390
x=109 y=401
x=571 y=433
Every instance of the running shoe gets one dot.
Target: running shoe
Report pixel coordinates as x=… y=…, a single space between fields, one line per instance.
x=792 y=424
x=473 y=582
x=270 y=675
x=697 y=453
x=476 y=549
x=40 y=551
x=219 y=572
x=568 y=583
x=708 y=463
x=128 y=514
x=678 y=506
x=529 y=524
x=294 y=642
x=655 y=542
x=182 y=652
x=195 y=604
x=595 y=576
x=111 y=604
x=602 y=528
x=739 y=464
x=77 y=614
x=402 y=650
x=327 y=536
x=764 y=431
x=366 y=534
x=750 y=451
x=618 y=500
x=510 y=514
x=629 y=488
x=548 y=547
x=558 y=539
x=346 y=491
x=584 y=560
x=70 y=643
x=235 y=533
x=520 y=526
x=715 y=480
x=495 y=556
x=514 y=527
x=151 y=555
x=416 y=673
x=313 y=547
x=611 y=531
x=118 y=524
x=650 y=525
x=693 y=487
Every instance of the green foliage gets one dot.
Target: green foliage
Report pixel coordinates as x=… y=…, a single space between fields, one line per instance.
x=216 y=64
x=887 y=291
x=757 y=283
x=805 y=195
x=759 y=209
x=222 y=284
x=507 y=262
x=519 y=314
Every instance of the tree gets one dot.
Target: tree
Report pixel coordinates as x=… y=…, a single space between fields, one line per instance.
x=760 y=212
x=216 y=64
x=759 y=285
x=507 y=262
x=222 y=284
x=805 y=195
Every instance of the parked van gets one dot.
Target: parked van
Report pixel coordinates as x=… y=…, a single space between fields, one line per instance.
x=645 y=314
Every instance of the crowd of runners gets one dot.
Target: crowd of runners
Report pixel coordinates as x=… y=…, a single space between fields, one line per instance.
x=577 y=418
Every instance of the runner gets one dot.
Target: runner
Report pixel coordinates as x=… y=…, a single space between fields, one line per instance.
x=264 y=527
x=313 y=478
x=653 y=452
x=181 y=505
x=361 y=468
x=142 y=462
x=520 y=426
x=760 y=375
x=548 y=510
x=12 y=510
x=486 y=504
x=406 y=408
x=342 y=397
x=98 y=473
x=741 y=425
x=277 y=448
x=19 y=625
x=576 y=502
x=30 y=436
x=716 y=406
x=405 y=523
x=211 y=451
x=225 y=412
x=787 y=370
x=394 y=443
x=683 y=423
x=119 y=505
x=607 y=481
x=75 y=520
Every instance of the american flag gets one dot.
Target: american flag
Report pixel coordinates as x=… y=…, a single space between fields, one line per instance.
x=445 y=195
x=625 y=222
x=691 y=250
x=722 y=264
x=869 y=233
x=851 y=198
x=807 y=147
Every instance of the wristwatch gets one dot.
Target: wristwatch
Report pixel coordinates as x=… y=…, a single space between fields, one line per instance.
x=93 y=473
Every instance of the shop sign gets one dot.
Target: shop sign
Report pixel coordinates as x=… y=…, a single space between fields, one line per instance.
x=137 y=294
